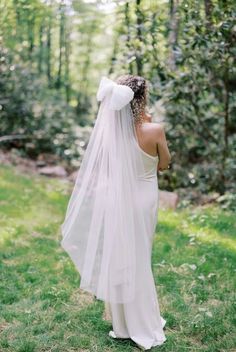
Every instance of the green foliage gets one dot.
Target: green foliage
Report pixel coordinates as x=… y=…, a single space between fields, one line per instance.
x=200 y=100
x=54 y=53
x=30 y=110
x=228 y=201
x=187 y=52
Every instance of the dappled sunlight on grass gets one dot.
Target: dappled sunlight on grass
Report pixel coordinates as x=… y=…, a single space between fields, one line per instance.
x=42 y=307
x=216 y=238
x=216 y=228
x=33 y=205
x=194 y=265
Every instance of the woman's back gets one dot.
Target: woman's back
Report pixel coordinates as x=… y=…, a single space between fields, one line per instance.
x=152 y=140
x=146 y=138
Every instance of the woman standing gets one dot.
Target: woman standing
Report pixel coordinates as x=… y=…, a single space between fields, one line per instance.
x=111 y=216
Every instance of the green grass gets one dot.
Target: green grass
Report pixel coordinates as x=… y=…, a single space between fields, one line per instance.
x=43 y=309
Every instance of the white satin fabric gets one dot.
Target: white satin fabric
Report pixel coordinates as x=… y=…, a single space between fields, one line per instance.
x=140 y=320
x=111 y=217
x=120 y=95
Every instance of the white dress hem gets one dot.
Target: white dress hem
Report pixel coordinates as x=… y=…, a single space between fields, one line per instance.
x=142 y=345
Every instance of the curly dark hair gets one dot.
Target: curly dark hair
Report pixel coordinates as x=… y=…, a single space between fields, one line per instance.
x=139 y=86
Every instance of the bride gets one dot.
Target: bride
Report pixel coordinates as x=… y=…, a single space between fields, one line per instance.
x=112 y=213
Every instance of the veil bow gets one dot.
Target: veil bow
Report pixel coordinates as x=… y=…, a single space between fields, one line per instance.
x=104 y=212
x=120 y=95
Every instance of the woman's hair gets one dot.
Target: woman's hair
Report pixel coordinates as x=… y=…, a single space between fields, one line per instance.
x=139 y=86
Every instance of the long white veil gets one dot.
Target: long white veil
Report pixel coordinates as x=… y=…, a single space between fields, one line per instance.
x=104 y=211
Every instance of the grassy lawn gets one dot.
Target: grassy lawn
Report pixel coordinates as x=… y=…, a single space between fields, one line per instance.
x=42 y=308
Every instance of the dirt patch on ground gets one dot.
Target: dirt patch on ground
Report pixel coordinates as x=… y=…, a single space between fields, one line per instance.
x=82 y=298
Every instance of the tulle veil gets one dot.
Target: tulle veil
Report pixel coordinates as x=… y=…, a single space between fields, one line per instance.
x=104 y=212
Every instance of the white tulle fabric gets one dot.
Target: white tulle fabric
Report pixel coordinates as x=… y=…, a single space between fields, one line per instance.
x=120 y=95
x=104 y=212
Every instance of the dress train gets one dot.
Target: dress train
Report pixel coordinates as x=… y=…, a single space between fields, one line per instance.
x=140 y=320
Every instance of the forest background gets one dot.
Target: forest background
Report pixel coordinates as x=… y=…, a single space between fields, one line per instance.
x=54 y=52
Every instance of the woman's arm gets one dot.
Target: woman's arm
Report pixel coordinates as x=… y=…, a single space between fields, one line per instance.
x=162 y=148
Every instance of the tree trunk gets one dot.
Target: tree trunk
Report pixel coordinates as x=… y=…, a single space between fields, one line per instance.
x=113 y=56
x=30 y=24
x=173 y=34
x=40 y=54
x=226 y=119
x=208 y=11
x=18 y=21
x=86 y=65
x=138 y=54
x=154 y=53
x=128 y=40
x=61 y=45
x=49 y=51
x=67 y=64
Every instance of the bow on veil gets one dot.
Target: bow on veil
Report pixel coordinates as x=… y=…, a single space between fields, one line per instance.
x=120 y=95
x=102 y=215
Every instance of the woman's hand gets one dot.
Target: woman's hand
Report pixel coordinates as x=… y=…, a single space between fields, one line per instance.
x=159 y=168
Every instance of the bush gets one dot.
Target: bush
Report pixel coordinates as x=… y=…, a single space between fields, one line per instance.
x=36 y=119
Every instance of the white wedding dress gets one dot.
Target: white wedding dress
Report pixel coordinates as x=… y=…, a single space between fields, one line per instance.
x=140 y=320
x=111 y=217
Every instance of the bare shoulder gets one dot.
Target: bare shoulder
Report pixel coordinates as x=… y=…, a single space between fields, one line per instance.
x=156 y=130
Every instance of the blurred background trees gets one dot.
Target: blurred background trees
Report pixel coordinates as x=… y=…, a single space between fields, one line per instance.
x=54 y=52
